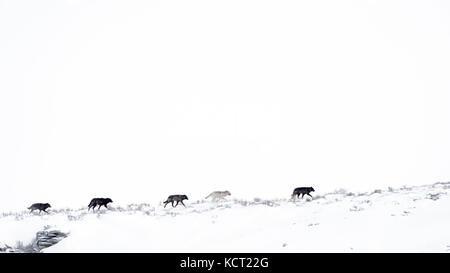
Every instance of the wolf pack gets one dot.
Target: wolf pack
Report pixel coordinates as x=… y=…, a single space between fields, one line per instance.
x=176 y=198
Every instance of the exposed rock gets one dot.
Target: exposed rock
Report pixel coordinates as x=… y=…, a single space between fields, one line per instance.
x=46 y=239
x=43 y=240
x=5 y=248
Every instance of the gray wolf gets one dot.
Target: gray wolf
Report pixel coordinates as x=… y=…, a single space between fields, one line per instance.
x=216 y=195
x=40 y=207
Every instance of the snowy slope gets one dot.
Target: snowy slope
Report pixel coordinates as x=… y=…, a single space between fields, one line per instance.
x=409 y=219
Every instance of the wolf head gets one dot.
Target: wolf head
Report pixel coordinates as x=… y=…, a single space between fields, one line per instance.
x=47 y=205
x=184 y=197
x=311 y=189
x=227 y=193
x=108 y=200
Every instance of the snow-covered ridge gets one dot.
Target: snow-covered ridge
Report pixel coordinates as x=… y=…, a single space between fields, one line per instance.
x=411 y=219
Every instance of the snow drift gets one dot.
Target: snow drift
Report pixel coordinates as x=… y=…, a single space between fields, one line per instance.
x=407 y=219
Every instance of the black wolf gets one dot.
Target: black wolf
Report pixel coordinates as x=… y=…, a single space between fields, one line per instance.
x=100 y=202
x=302 y=191
x=40 y=207
x=178 y=198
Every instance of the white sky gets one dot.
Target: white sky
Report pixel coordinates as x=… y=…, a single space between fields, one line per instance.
x=136 y=100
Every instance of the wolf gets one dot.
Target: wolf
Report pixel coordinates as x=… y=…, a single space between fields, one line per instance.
x=302 y=191
x=216 y=195
x=177 y=197
x=100 y=202
x=40 y=207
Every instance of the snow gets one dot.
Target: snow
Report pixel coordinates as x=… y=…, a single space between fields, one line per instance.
x=408 y=219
